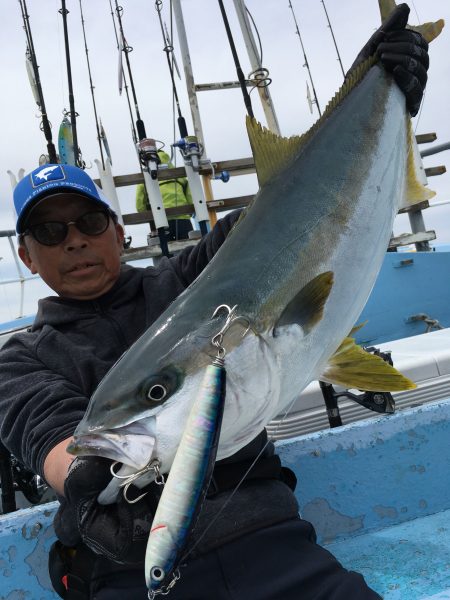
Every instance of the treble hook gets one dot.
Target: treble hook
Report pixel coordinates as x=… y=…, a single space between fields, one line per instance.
x=232 y=318
x=153 y=465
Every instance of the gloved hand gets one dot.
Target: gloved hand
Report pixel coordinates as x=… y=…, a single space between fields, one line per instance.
x=403 y=53
x=118 y=531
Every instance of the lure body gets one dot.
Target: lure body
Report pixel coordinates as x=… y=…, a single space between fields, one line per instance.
x=187 y=482
x=65 y=143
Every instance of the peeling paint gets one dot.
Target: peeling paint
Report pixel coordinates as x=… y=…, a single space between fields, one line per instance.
x=386 y=512
x=38 y=559
x=12 y=553
x=331 y=522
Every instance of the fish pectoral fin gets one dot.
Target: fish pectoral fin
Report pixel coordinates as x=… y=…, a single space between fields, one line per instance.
x=306 y=308
x=352 y=367
x=271 y=152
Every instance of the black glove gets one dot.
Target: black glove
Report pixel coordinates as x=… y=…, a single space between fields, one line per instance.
x=403 y=52
x=118 y=531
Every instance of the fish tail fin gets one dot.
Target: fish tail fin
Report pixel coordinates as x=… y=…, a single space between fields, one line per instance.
x=415 y=191
x=352 y=367
x=429 y=31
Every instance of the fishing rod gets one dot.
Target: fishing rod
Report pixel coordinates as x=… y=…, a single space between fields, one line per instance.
x=147 y=151
x=122 y=77
x=72 y=113
x=97 y=125
x=240 y=74
x=334 y=39
x=188 y=145
x=36 y=84
x=306 y=64
x=168 y=49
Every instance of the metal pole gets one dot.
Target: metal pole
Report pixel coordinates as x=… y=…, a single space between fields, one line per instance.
x=264 y=94
x=435 y=149
x=187 y=65
x=21 y=277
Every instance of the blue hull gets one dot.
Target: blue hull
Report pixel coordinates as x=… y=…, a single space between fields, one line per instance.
x=377 y=492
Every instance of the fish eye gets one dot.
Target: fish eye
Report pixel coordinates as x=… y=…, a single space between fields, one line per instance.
x=157 y=392
x=162 y=385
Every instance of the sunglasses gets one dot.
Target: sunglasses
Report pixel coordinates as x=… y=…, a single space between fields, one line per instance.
x=53 y=233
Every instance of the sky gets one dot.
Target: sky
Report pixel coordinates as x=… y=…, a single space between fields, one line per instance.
x=223 y=112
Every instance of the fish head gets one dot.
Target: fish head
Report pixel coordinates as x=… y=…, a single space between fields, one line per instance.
x=161 y=371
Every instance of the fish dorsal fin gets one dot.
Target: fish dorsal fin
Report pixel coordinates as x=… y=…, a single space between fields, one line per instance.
x=272 y=152
x=352 y=367
x=306 y=308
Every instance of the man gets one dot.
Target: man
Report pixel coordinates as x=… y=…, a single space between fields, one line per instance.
x=258 y=548
x=174 y=192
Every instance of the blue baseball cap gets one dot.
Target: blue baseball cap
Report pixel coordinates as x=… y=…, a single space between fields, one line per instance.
x=51 y=179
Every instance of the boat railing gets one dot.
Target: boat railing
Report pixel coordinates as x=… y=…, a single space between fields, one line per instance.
x=20 y=278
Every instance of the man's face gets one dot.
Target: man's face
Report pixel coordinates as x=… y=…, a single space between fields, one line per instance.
x=81 y=267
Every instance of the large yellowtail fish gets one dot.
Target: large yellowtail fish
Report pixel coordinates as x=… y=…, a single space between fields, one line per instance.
x=299 y=265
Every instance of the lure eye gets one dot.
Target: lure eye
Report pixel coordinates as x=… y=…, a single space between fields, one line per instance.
x=157 y=392
x=157 y=574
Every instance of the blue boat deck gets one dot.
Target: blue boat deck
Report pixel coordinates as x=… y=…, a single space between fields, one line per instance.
x=409 y=561
x=377 y=492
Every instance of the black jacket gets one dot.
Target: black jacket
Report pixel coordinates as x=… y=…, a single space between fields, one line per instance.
x=48 y=374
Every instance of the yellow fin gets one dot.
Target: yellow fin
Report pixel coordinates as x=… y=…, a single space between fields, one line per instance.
x=386 y=7
x=272 y=152
x=352 y=367
x=415 y=190
x=430 y=30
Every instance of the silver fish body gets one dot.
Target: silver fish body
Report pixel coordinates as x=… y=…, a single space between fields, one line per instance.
x=329 y=210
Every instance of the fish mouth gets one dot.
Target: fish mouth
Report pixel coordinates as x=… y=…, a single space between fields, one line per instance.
x=132 y=449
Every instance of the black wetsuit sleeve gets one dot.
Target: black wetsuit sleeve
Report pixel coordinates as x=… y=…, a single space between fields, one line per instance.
x=191 y=262
x=38 y=408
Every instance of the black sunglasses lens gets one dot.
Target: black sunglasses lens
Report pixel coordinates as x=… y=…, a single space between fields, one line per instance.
x=49 y=234
x=54 y=232
x=93 y=223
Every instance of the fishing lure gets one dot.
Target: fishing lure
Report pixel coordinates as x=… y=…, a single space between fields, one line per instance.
x=190 y=475
x=65 y=142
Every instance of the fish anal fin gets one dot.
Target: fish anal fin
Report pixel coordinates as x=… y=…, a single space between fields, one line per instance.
x=306 y=308
x=352 y=367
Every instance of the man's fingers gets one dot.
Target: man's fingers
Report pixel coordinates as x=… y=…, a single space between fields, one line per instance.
x=88 y=476
x=397 y=19
x=410 y=65
x=407 y=35
x=411 y=87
